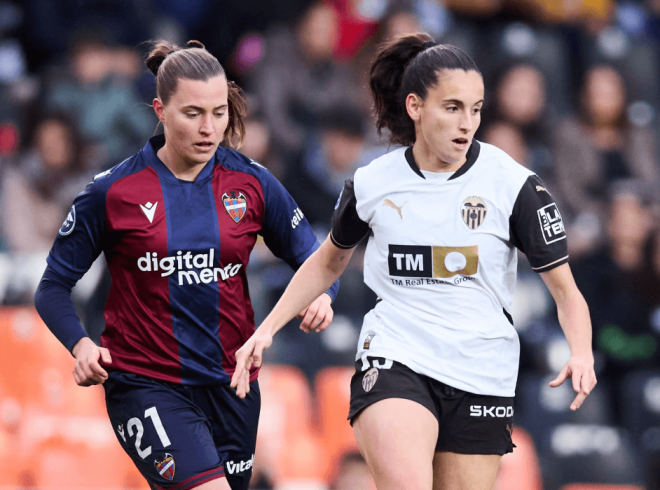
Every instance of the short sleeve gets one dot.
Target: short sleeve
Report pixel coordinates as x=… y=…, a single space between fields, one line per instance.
x=80 y=239
x=347 y=227
x=537 y=228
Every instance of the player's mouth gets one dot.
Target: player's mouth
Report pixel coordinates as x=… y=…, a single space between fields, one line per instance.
x=461 y=143
x=205 y=146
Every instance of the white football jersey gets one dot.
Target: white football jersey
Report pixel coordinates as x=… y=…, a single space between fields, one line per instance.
x=442 y=259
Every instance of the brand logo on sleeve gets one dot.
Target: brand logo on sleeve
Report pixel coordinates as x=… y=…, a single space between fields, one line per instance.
x=149 y=210
x=235 y=204
x=69 y=223
x=552 y=225
x=473 y=212
x=298 y=216
x=165 y=467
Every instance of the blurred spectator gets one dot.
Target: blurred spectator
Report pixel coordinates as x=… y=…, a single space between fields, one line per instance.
x=329 y=158
x=98 y=92
x=597 y=148
x=298 y=78
x=353 y=474
x=258 y=142
x=39 y=187
x=520 y=100
x=619 y=284
x=509 y=138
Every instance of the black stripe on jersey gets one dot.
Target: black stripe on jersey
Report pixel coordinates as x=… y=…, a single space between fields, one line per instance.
x=347 y=227
x=536 y=226
x=471 y=157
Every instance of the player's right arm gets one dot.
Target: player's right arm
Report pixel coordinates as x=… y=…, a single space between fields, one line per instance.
x=313 y=277
x=78 y=244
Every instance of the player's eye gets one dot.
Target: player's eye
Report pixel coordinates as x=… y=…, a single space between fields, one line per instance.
x=192 y=115
x=476 y=110
x=452 y=108
x=219 y=114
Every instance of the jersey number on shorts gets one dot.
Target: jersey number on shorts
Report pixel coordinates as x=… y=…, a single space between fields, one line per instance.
x=136 y=424
x=374 y=362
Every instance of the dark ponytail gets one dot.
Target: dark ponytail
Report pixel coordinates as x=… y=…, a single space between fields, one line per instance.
x=410 y=64
x=169 y=63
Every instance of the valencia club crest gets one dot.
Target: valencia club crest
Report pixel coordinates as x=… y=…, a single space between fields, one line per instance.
x=236 y=204
x=165 y=467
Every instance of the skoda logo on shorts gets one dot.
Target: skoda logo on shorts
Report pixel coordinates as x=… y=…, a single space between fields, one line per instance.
x=369 y=379
x=473 y=212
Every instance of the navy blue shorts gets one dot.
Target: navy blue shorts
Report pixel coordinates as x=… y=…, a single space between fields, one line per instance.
x=183 y=436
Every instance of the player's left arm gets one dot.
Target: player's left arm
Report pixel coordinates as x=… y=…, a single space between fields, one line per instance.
x=288 y=234
x=574 y=319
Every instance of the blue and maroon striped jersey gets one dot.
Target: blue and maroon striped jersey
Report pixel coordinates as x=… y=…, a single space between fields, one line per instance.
x=179 y=307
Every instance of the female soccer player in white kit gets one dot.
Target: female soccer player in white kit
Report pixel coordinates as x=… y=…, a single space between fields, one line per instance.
x=437 y=360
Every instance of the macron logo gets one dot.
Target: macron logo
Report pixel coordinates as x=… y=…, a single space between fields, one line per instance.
x=149 y=211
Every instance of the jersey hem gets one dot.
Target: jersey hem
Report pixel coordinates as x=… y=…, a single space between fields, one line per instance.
x=551 y=265
x=449 y=382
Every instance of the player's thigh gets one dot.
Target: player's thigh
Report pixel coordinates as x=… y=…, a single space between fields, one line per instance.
x=166 y=435
x=453 y=471
x=234 y=423
x=219 y=484
x=397 y=437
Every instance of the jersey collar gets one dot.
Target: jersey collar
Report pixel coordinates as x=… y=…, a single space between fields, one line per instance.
x=150 y=151
x=471 y=157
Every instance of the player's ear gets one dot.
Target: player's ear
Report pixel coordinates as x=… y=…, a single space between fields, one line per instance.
x=413 y=105
x=158 y=109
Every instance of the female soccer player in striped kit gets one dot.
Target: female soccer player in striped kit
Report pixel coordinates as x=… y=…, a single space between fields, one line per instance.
x=177 y=222
x=437 y=361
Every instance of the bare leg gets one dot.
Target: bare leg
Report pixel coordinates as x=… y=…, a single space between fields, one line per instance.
x=397 y=437
x=452 y=471
x=218 y=484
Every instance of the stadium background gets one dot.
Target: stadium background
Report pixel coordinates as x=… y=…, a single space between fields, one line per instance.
x=572 y=91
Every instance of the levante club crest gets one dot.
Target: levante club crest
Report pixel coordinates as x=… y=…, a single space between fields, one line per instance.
x=235 y=204
x=165 y=467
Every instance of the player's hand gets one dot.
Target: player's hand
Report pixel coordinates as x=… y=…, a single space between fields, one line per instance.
x=88 y=371
x=581 y=371
x=318 y=315
x=251 y=354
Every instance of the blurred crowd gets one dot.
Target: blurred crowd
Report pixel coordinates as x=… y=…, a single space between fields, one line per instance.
x=572 y=92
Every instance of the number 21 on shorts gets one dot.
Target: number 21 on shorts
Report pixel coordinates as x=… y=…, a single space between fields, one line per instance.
x=135 y=427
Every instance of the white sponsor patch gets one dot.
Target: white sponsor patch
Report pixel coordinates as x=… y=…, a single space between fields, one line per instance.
x=552 y=225
x=69 y=223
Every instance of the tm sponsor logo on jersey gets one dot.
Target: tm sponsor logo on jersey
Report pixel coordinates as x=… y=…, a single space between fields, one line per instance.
x=432 y=264
x=495 y=412
x=190 y=269
x=551 y=223
x=240 y=466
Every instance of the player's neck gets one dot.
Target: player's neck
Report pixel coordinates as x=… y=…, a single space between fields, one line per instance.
x=429 y=162
x=181 y=169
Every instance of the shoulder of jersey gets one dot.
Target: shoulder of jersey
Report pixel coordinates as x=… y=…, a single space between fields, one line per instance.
x=385 y=166
x=234 y=160
x=105 y=179
x=498 y=159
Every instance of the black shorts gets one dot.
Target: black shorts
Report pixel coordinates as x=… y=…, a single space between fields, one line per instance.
x=183 y=436
x=468 y=423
